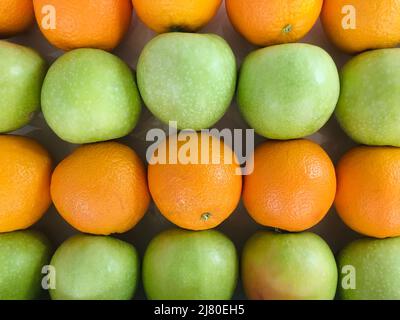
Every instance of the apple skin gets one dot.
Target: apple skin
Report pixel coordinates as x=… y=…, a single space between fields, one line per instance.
x=190 y=265
x=95 y=268
x=22 y=257
x=22 y=71
x=288 y=91
x=288 y=266
x=369 y=106
x=90 y=95
x=376 y=263
x=188 y=78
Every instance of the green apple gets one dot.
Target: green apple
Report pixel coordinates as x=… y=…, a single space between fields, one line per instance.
x=187 y=78
x=190 y=265
x=90 y=95
x=23 y=254
x=22 y=71
x=288 y=91
x=369 y=104
x=288 y=266
x=95 y=268
x=369 y=269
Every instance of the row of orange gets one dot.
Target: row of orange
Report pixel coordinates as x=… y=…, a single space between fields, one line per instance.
x=69 y=24
x=102 y=188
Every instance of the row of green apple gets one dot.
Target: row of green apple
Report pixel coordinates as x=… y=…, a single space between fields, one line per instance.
x=180 y=264
x=284 y=92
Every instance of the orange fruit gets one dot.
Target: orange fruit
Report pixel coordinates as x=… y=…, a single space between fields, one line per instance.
x=376 y=24
x=292 y=186
x=99 y=24
x=101 y=188
x=201 y=194
x=176 y=15
x=25 y=172
x=268 y=22
x=15 y=16
x=368 y=193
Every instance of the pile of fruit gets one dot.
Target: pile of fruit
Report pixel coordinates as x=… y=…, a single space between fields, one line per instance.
x=285 y=91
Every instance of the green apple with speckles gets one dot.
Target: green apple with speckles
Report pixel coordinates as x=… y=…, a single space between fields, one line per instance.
x=288 y=266
x=369 y=104
x=95 y=268
x=23 y=254
x=369 y=269
x=90 y=95
x=187 y=78
x=22 y=71
x=190 y=265
x=288 y=91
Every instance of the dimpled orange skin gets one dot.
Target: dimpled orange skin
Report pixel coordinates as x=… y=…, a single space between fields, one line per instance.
x=99 y=24
x=15 y=16
x=377 y=24
x=269 y=22
x=176 y=15
x=196 y=196
x=292 y=186
x=101 y=188
x=368 y=193
x=25 y=171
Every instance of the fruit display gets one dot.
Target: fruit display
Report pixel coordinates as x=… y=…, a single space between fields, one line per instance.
x=199 y=150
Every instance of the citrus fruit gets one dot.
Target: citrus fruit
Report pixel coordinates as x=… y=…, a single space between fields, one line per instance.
x=187 y=78
x=207 y=269
x=95 y=268
x=176 y=15
x=369 y=270
x=97 y=24
x=294 y=266
x=368 y=192
x=288 y=91
x=268 y=22
x=25 y=171
x=369 y=105
x=90 y=95
x=357 y=25
x=15 y=16
x=101 y=188
x=22 y=257
x=195 y=195
x=292 y=186
x=21 y=70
